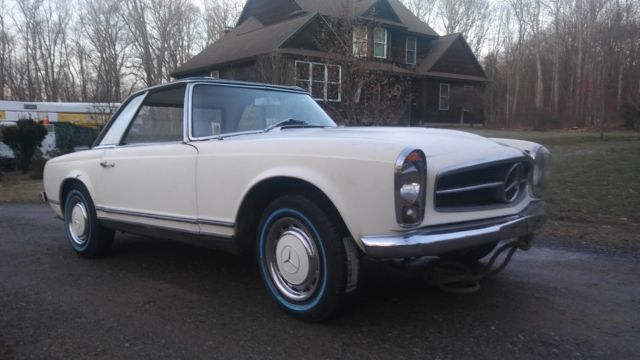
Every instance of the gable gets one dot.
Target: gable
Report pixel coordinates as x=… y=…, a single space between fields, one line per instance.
x=268 y=11
x=458 y=59
x=316 y=35
x=382 y=10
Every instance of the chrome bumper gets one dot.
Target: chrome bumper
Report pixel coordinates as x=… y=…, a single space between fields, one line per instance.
x=440 y=239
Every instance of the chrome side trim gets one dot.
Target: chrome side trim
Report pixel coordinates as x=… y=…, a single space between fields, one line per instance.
x=188 y=220
x=43 y=197
x=215 y=222
x=440 y=239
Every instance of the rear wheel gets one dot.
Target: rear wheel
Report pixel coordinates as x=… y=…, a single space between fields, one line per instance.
x=86 y=236
x=302 y=258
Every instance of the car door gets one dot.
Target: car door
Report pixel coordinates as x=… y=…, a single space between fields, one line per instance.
x=148 y=176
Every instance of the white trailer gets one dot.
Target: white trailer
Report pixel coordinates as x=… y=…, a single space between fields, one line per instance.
x=48 y=113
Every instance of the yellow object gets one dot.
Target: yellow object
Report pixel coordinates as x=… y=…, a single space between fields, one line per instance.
x=3 y=116
x=78 y=119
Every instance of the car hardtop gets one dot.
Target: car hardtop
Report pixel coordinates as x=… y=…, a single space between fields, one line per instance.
x=198 y=80
x=214 y=81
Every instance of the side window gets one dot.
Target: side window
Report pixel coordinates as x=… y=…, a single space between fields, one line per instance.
x=119 y=126
x=160 y=118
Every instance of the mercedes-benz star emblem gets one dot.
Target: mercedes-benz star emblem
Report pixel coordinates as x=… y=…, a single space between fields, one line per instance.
x=290 y=262
x=511 y=187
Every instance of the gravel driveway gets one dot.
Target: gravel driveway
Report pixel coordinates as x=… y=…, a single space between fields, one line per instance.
x=158 y=299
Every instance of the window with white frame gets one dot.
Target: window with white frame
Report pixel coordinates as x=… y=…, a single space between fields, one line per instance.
x=360 y=41
x=412 y=50
x=468 y=98
x=323 y=81
x=443 y=104
x=215 y=74
x=380 y=43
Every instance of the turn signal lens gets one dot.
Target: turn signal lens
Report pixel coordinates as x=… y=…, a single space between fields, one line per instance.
x=410 y=182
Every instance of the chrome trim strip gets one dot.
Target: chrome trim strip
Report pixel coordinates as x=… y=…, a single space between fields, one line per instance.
x=440 y=239
x=471 y=188
x=188 y=220
x=43 y=197
x=215 y=222
x=166 y=228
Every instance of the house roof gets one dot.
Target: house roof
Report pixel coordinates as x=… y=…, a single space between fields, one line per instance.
x=246 y=41
x=438 y=48
x=252 y=38
x=340 y=8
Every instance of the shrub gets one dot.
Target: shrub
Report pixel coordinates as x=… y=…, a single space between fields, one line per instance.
x=23 y=139
x=37 y=165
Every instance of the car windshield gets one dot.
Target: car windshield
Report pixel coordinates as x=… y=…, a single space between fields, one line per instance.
x=220 y=110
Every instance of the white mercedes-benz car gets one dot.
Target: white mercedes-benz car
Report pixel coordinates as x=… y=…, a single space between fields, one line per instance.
x=263 y=169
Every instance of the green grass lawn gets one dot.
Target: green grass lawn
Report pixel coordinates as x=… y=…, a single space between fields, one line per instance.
x=595 y=186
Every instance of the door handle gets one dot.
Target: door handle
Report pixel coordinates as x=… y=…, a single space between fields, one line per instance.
x=105 y=164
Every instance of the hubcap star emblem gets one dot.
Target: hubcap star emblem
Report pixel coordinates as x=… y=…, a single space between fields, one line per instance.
x=290 y=260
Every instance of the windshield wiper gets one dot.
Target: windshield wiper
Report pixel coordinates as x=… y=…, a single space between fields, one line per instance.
x=287 y=122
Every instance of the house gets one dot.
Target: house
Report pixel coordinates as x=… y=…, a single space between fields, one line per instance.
x=364 y=61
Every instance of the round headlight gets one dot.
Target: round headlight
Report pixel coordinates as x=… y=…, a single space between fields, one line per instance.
x=541 y=169
x=409 y=193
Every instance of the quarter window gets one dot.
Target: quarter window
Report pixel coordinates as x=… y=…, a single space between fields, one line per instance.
x=119 y=125
x=360 y=41
x=444 y=97
x=411 y=50
x=160 y=119
x=380 y=43
x=322 y=81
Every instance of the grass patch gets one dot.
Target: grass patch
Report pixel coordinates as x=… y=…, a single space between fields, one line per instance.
x=18 y=187
x=595 y=185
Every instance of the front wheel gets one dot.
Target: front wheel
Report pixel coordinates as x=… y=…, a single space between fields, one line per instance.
x=85 y=234
x=302 y=258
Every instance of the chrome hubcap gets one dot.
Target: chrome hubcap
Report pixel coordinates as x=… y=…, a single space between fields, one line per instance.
x=293 y=260
x=78 y=224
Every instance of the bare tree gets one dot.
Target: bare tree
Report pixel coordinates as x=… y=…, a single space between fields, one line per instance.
x=424 y=10
x=218 y=16
x=470 y=17
x=5 y=45
x=106 y=50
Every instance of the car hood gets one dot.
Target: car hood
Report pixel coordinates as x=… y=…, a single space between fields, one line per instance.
x=433 y=142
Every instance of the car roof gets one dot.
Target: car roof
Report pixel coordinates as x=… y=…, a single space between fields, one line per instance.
x=210 y=80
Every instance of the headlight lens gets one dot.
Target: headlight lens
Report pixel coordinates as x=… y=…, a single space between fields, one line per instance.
x=410 y=183
x=541 y=170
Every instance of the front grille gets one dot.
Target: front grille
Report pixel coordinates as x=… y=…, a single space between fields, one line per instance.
x=493 y=184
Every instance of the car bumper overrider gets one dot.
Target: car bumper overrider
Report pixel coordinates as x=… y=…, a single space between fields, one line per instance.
x=440 y=239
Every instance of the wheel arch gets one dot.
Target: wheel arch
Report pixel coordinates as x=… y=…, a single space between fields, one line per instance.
x=65 y=187
x=264 y=192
